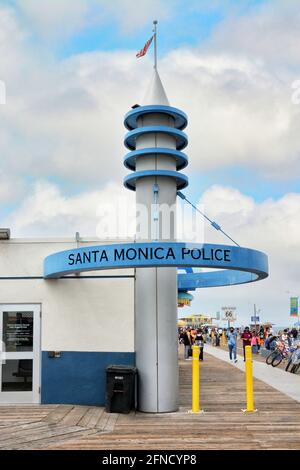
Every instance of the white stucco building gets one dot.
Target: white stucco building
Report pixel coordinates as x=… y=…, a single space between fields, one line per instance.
x=60 y=335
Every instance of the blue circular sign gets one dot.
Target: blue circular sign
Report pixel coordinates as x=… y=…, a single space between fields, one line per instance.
x=236 y=264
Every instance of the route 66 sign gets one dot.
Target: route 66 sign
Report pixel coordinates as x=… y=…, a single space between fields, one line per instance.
x=228 y=314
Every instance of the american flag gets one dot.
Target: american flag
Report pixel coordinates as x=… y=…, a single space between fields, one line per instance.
x=145 y=48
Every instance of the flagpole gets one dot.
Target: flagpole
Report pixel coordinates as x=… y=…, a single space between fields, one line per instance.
x=155 y=44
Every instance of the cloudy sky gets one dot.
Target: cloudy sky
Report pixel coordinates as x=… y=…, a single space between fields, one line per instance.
x=70 y=73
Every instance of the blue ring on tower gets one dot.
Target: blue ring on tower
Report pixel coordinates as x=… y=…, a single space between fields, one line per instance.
x=131 y=118
x=217 y=278
x=131 y=157
x=181 y=137
x=130 y=180
x=179 y=122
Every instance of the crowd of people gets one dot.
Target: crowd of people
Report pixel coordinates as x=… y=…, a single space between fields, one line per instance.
x=290 y=338
x=263 y=337
x=189 y=337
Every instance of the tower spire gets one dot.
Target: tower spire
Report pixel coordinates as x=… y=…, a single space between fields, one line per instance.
x=156 y=93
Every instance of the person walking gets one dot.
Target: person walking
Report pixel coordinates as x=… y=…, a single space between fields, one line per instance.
x=199 y=341
x=285 y=337
x=262 y=336
x=193 y=333
x=254 y=343
x=272 y=342
x=267 y=342
x=212 y=335
x=217 y=337
x=232 y=340
x=271 y=330
x=246 y=338
x=180 y=336
x=187 y=341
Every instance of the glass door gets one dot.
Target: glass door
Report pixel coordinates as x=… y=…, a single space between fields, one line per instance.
x=19 y=353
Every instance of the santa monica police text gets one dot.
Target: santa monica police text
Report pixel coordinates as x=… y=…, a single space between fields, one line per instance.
x=157 y=253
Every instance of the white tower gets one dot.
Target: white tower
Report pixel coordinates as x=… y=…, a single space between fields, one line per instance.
x=156 y=140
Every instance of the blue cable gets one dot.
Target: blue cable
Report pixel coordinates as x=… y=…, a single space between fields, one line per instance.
x=213 y=224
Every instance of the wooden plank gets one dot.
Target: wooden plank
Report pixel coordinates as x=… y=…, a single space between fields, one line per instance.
x=91 y=418
x=58 y=414
x=63 y=439
x=276 y=425
x=111 y=422
x=16 y=429
x=50 y=431
x=74 y=416
x=223 y=395
x=101 y=423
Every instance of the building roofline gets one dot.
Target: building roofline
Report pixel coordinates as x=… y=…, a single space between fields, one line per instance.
x=66 y=240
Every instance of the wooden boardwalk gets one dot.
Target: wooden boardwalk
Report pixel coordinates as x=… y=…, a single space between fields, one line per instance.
x=276 y=425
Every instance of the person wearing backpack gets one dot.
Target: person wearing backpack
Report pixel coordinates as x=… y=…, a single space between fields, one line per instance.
x=232 y=340
x=272 y=342
x=267 y=342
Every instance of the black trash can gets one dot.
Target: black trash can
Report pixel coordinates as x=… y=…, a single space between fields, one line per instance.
x=120 y=389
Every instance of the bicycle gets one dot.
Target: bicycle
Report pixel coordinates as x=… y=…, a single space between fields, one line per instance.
x=279 y=354
x=294 y=361
x=294 y=368
x=273 y=354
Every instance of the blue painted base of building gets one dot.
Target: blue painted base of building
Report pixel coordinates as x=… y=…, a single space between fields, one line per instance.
x=79 y=378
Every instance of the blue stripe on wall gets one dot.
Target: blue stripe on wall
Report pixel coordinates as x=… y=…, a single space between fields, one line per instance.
x=79 y=378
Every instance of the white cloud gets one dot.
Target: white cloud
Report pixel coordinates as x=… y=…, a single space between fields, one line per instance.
x=238 y=112
x=46 y=212
x=64 y=119
x=12 y=189
x=273 y=227
x=132 y=17
x=270 y=32
x=273 y=221
x=57 y=19
x=54 y=18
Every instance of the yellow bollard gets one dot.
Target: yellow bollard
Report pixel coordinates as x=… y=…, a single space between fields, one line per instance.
x=249 y=380
x=195 y=380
